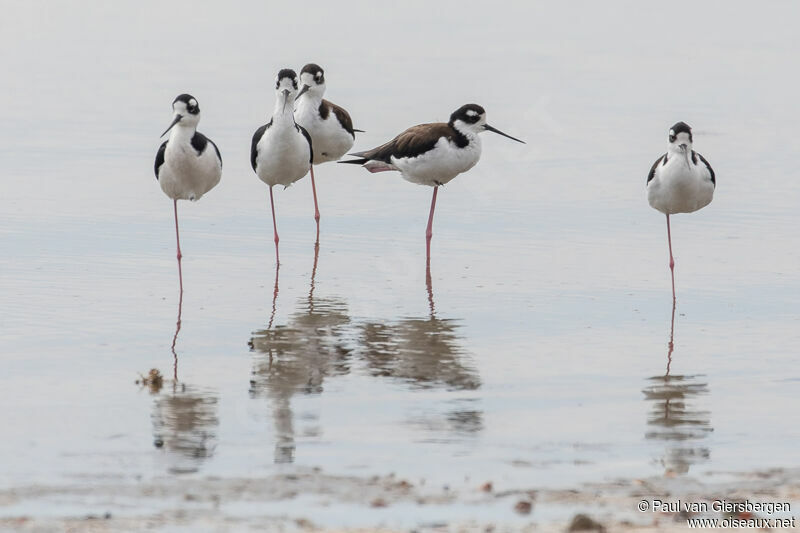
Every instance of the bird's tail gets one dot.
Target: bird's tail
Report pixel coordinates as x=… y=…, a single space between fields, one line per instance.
x=370 y=164
x=359 y=161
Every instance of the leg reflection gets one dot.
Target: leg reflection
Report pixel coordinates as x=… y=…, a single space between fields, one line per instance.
x=674 y=419
x=295 y=358
x=429 y=286
x=175 y=339
x=184 y=418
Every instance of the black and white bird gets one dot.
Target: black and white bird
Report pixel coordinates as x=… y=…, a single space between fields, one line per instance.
x=281 y=150
x=188 y=164
x=680 y=181
x=329 y=125
x=432 y=154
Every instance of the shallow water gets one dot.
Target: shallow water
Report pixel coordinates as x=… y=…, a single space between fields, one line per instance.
x=538 y=351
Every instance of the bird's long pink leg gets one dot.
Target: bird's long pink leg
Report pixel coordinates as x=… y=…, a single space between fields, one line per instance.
x=314 y=190
x=429 y=231
x=178 y=241
x=671 y=260
x=274 y=226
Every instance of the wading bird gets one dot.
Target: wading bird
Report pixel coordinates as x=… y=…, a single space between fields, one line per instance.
x=281 y=149
x=188 y=164
x=330 y=126
x=680 y=181
x=432 y=154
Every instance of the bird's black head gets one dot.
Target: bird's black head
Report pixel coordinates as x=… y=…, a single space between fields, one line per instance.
x=316 y=73
x=679 y=127
x=472 y=118
x=284 y=74
x=469 y=113
x=192 y=107
x=186 y=111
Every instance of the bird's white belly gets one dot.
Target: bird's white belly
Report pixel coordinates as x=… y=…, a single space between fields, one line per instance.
x=283 y=156
x=678 y=188
x=439 y=165
x=328 y=138
x=186 y=176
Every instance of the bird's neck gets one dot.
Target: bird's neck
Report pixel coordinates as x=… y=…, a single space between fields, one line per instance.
x=471 y=136
x=679 y=154
x=309 y=97
x=181 y=133
x=283 y=114
x=309 y=101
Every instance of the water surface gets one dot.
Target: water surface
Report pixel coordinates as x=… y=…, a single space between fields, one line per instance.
x=542 y=350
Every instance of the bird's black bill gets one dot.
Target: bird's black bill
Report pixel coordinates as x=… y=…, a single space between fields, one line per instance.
x=286 y=98
x=177 y=119
x=302 y=91
x=490 y=128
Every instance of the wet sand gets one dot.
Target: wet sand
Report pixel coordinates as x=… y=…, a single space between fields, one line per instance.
x=280 y=503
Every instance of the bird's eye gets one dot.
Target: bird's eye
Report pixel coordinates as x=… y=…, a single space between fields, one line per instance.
x=672 y=138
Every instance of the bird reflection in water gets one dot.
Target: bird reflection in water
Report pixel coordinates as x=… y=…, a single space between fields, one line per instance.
x=320 y=341
x=673 y=419
x=422 y=351
x=184 y=418
x=297 y=357
x=426 y=353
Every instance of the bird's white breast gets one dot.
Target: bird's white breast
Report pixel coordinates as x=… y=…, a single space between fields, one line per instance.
x=329 y=139
x=185 y=175
x=283 y=155
x=440 y=164
x=680 y=187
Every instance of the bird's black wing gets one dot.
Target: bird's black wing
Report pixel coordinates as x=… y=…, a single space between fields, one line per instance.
x=711 y=170
x=652 y=173
x=160 y=157
x=341 y=115
x=219 y=155
x=415 y=141
x=254 y=146
x=302 y=130
x=199 y=142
